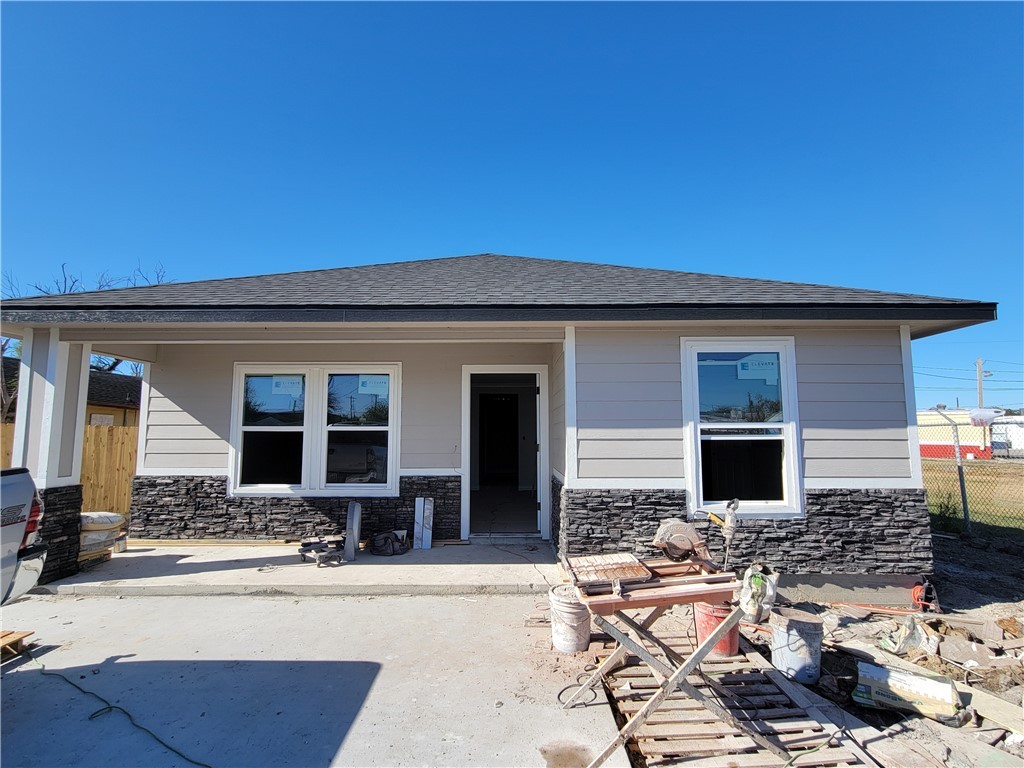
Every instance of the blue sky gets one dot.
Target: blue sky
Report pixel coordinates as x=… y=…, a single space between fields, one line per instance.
x=872 y=145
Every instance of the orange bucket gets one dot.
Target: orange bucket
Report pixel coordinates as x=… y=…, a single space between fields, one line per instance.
x=706 y=618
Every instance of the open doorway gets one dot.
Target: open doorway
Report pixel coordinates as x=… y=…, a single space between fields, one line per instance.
x=504 y=454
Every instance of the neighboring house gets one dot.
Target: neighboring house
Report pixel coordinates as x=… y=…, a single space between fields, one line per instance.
x=578 y=402
x=111 y=399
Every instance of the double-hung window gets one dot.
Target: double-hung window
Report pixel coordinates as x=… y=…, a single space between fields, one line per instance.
x=740 y=402
x=316 y=430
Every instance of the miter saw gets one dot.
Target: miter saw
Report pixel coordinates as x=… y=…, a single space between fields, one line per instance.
x=681 y=541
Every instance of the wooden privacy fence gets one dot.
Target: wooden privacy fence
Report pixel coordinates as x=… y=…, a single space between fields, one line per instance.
x=108 y=464
x=6 y=444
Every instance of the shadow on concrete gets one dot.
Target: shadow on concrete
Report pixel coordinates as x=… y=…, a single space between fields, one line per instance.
x=224 y=713
x=158 y=562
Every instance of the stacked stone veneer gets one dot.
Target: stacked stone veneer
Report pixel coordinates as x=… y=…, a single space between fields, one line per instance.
x=842 y=531
x=197 y=507
x=61 y=531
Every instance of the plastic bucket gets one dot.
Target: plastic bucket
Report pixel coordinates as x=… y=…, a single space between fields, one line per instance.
x=706 y=618
x=796 y=644
x=570 y=620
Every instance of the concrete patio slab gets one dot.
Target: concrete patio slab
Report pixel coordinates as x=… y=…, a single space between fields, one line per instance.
x=170 y=569
x=298 y=681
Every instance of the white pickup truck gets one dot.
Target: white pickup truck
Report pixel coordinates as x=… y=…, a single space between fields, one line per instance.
x=22 y=554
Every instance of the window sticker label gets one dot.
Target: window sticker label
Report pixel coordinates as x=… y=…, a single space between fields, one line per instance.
x=286 y=385
x=759 y=366
x=373 y=384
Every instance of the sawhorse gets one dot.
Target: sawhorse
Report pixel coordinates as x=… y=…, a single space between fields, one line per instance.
x=671 y=674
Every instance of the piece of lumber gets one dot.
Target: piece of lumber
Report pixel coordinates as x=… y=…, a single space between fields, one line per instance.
x=852 y=611
x=605 y=605
x=727 y=745
x=13 y=642
x=696 y=729
x=768 y=760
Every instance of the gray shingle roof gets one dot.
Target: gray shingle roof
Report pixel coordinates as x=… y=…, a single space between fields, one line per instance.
x=484 y=280
x=114 y=389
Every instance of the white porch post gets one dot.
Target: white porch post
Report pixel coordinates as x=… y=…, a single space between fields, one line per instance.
x=49 y=423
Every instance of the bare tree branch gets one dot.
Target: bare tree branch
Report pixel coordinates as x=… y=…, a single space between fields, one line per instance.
x=63 y=283
x=11 y=288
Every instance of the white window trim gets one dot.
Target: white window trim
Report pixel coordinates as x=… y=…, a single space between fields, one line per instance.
x=314 y=430
x=792 y=504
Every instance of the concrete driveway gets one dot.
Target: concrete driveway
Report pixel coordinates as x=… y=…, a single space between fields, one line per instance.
x=263 y=681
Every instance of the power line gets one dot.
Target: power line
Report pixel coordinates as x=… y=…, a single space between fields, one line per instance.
x=967 y=389
x=969 y=370
x=966 y=378
x=1004 y=362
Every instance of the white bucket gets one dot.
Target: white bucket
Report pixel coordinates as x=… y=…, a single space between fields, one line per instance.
x=570 y=620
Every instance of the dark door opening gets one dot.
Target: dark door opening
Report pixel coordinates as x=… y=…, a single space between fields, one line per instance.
x=503 y=454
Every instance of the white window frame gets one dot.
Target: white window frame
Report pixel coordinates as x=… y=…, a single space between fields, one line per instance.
x=791 y=505
x=315 y=430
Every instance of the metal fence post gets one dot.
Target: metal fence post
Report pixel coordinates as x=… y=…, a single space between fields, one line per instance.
x=959 y=470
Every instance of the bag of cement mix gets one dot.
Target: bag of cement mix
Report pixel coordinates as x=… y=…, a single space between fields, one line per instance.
x=91 y=541
x=101 y=521
x=932 y=696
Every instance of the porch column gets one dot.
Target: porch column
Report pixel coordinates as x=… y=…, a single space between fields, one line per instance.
x=48 y=431
x=50 y=420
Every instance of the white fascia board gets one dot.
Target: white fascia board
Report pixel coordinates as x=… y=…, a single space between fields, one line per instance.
x=914 y=446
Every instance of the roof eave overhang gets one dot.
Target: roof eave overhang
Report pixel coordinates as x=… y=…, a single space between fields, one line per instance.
x=957 y=315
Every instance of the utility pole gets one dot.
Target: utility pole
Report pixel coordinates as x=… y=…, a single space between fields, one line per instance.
x=981 y=396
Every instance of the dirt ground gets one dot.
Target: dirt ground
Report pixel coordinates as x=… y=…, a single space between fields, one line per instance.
x=980 y=577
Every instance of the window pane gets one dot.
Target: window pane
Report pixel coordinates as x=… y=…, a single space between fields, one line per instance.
x=274 y=401
x=739 y=386
x=273 y=457
x=748 y=470
x=357 y=457
x=358 y=398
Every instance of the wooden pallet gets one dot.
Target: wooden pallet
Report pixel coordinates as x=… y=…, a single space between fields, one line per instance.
x=682 y=732
x=13 y=643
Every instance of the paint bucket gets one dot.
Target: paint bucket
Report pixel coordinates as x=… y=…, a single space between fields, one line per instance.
x=796 y=644
x=570 y=620
x=706 y=618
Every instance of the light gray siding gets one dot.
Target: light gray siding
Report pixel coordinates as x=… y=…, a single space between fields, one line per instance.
x=852 y=408
x=189 y=417
x=628 y=404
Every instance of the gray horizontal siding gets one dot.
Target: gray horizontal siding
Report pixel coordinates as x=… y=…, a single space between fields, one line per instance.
x=850 y=388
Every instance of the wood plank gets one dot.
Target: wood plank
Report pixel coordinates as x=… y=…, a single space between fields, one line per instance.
x=605 y=605
x=768 y=760
x=690 y=729
x=725 y=745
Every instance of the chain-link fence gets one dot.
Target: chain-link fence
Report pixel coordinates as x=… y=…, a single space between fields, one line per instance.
x=992 y=468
